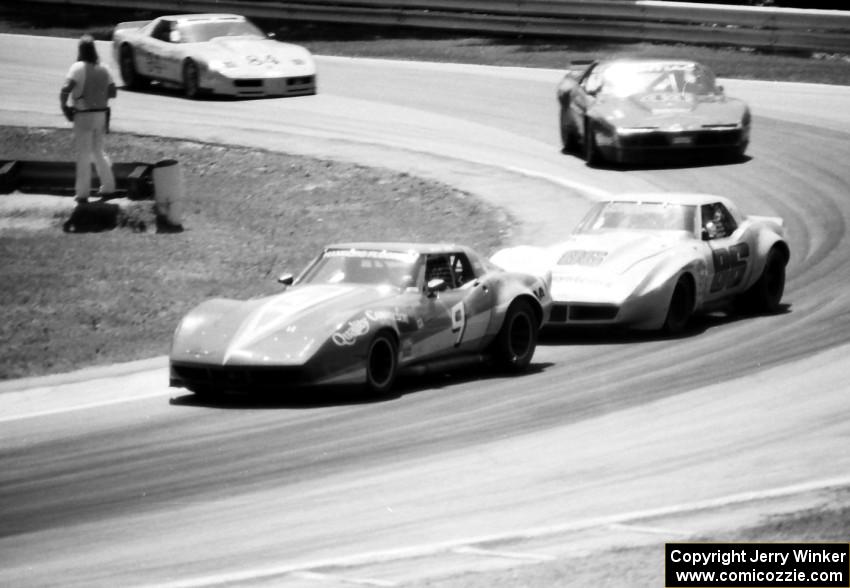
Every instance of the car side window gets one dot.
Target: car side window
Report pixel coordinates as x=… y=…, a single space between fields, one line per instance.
x=461 y=269
x=717 y=222
x=591 y=76
x=438 y=267
x=162 y=31
x=592 y=82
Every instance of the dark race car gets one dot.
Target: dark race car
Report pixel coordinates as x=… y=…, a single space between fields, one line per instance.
x=361 y=313
x=627 y=111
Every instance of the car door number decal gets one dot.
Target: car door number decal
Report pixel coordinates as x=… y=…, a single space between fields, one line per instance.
x=458 y=315
x=730 y=265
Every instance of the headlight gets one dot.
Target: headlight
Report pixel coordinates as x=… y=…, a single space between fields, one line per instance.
x=635 y=130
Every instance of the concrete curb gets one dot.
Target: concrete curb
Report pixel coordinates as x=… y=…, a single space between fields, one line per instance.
x=89 y=373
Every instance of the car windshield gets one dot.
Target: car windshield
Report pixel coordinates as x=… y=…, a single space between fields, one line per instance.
x=629 y=79
x=642 y=216
x=361 y=266
x=199 y=32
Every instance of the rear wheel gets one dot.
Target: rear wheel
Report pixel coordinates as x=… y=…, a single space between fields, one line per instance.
x=765 y=295
x=515 y=344
x=191 y=81
x=681 y=306
x=381 y=364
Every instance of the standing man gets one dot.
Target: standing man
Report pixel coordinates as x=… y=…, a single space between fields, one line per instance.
x=90 y=86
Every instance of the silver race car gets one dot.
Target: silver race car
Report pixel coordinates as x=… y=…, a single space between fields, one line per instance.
x=650 y=261
x=211 y=53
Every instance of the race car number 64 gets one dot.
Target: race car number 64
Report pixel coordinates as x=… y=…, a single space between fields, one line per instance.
x=458 y=321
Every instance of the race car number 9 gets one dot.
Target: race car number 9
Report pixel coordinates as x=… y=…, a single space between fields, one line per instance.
x=458 y=321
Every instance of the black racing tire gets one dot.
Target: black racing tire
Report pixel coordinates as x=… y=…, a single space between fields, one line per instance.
x=568 y=134
x=191 y=80
x=381 y=364
x=737 y=154
x=591 y=151
x=765 y=296
x=127 y=64
x=205 y=391
x=517 y=339
x=681 y=307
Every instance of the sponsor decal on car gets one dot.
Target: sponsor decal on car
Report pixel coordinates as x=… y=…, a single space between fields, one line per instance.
x=356 y=328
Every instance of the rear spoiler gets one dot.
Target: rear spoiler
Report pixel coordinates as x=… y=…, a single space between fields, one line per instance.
x=776 y=221
x=134 y=24
x=578 y=66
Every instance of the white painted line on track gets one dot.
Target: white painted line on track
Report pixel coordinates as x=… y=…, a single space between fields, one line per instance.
x=74 y=408
x=503 y=554
x=587 y=189
x=344 y=579
x=431 y=549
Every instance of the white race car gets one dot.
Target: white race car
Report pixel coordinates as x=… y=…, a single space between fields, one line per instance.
x=211 y=53
x=650 y=261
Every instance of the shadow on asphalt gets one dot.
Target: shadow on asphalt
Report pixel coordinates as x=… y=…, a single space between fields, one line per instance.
x=698 y=325
x=329 y=396
x=669 y=161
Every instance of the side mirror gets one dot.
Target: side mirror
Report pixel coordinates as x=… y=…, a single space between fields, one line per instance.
x=407 y=282
x=434 y=286
x=286 y=279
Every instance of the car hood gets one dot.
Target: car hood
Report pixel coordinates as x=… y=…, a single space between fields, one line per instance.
x=246 y=52
x=669 y=110
x=285 y=329
x=589 y=263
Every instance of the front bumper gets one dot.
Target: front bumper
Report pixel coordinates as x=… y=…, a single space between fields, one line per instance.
x=304 y=85
x=634 y=147
x=237 y=378
x=636 y=312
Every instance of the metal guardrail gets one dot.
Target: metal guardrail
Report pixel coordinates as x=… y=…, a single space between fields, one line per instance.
x=643 y=20
x=133 y=179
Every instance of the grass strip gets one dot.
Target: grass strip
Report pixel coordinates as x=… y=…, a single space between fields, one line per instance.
x=74 y=300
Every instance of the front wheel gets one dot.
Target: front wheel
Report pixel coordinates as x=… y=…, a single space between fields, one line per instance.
x=681 y=306
x=515 y=344
x=132 y=78
x=591 y=151
x=191 y=81
x=568 y=134
x=381 y=364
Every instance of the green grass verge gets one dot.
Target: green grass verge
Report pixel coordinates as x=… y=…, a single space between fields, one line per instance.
x=74 y=300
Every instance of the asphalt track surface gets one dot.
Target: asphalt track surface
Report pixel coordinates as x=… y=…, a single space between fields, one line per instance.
x=109 y=478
